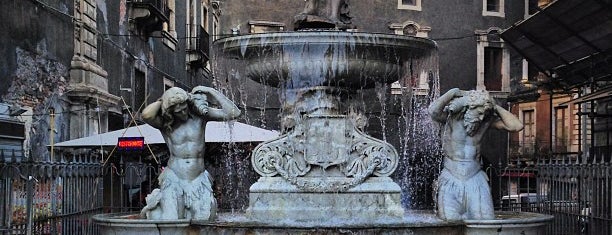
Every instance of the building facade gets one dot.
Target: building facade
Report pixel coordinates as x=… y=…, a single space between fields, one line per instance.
x=75 y=68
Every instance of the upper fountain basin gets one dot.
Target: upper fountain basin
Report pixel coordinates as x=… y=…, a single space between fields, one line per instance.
x=342 y=59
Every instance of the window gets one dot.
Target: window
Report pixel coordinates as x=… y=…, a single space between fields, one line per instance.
x=216 y=12
x=528 y=135
x=414 y=5
x=139 y=90
x=562 y=128
x=493 y=62
x=204 y=16
x=493 y=68
x=12 y=135
x=192 y=26
x=493 y=5
x=169 y=28
x=493 y=8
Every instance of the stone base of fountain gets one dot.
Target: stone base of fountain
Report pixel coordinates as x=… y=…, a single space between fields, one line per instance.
x=273 y=198
x=412 y=222
x=133 y=224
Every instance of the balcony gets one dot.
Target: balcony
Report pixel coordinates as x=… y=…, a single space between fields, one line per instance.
x=198 y=53
x=148 y=16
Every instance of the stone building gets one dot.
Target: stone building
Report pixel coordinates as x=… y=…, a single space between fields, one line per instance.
x=75 y=68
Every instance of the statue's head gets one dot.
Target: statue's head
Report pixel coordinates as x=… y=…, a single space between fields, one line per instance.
x=476 y=106
x=174 y=106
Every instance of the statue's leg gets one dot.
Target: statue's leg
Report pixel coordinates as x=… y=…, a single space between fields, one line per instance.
x=479 y=202
x=200 y=199
x=171 y=203
x=450 y=197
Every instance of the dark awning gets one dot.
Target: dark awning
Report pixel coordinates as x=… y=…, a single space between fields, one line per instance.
x=600 y=94
x=571 y=39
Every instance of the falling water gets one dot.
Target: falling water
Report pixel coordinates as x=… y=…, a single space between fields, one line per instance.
x=268 y=93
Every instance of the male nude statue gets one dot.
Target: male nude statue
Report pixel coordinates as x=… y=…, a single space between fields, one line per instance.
x=329 y=8
x=463 y=190
x=331 y=12
x=186 y=188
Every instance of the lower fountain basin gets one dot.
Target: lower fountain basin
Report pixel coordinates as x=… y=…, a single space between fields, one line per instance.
x=132 y=224
x=509 y=222
x=413 y=222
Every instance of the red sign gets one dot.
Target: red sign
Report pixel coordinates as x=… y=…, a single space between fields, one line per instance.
x=130 y=143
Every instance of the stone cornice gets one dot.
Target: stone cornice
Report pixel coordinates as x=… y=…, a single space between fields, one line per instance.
x=84 y=64
x=86 y=94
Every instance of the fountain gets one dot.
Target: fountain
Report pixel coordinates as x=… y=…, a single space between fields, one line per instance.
x=324 y=174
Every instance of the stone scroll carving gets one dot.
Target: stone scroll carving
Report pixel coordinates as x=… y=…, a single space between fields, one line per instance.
x=330 y=144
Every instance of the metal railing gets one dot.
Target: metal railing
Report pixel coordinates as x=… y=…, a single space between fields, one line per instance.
x=577 y=192
x=50 y=197
x=158 y=6
x=60 y=197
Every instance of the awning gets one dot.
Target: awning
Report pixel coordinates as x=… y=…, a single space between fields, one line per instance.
x=215 y=132
x=603 y=93
x=571 y=39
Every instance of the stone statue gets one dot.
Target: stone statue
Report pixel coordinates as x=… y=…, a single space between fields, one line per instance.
x=324 y=14
x=463 y=190
x=185 y=186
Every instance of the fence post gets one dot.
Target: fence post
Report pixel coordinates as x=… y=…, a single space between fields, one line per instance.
x=29 y=204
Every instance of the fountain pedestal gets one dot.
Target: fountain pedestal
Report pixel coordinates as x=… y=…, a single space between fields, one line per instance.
x=324 y=166
x=273 y=198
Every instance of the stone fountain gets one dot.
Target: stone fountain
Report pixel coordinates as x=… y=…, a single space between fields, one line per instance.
x=324 y=174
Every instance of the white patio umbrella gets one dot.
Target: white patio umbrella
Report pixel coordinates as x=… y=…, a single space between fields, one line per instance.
x=215 y=132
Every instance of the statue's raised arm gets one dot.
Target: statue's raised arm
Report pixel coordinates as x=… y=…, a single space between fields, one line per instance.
x=507 y=121
x=440 y=109
x=200 y=97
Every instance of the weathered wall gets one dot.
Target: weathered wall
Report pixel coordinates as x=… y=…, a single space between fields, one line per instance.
x=37 y=45
x=36 y=49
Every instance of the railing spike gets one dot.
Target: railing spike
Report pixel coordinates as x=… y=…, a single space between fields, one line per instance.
x=577 y=160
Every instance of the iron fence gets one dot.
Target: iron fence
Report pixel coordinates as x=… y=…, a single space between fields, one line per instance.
x=60 y=197
x=64 y=195
x=49 y=197
x=576 y=191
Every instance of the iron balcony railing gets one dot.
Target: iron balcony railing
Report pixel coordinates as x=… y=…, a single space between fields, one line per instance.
x=203 y=44
x=159 y=13
x=160 y=6
x=200 y=47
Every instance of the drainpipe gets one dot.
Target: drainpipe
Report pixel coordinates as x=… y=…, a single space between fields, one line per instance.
x=550 y=134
